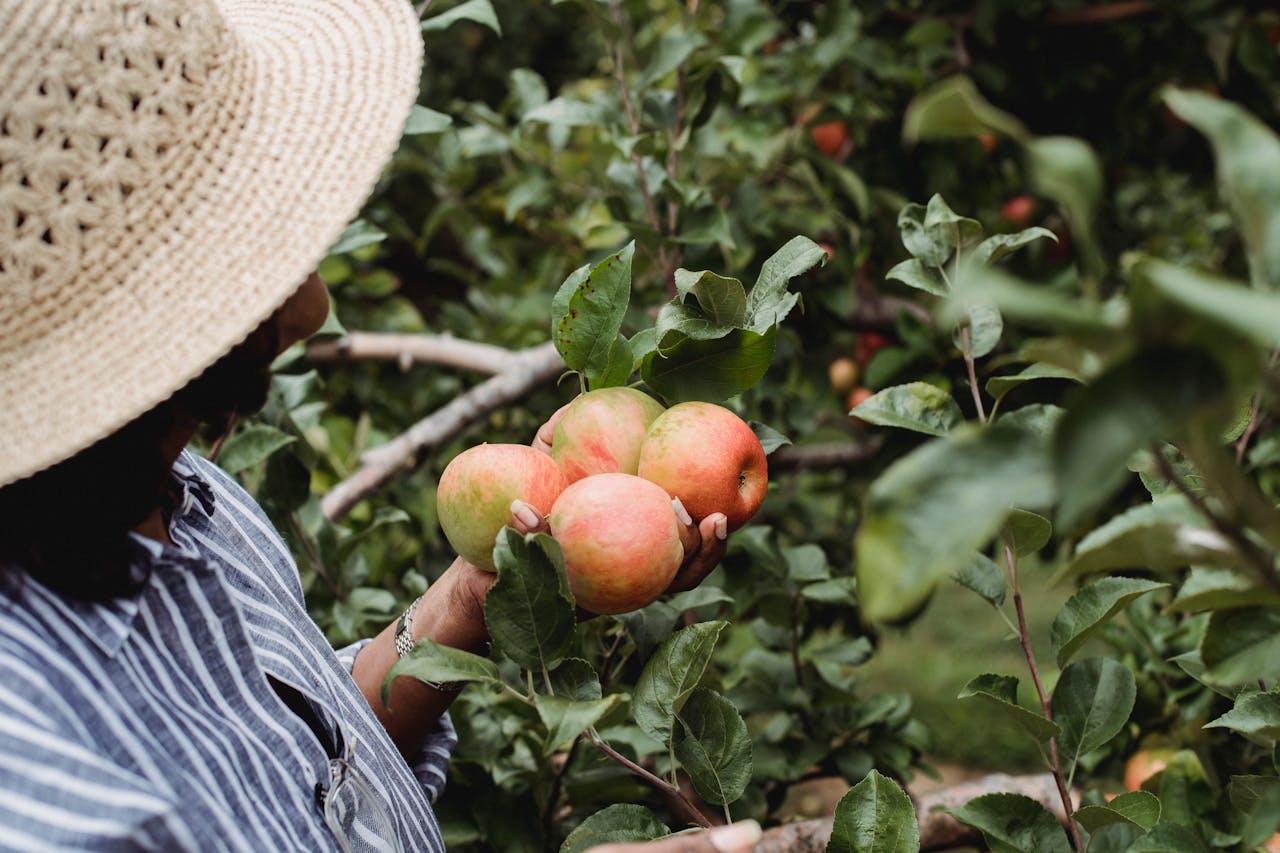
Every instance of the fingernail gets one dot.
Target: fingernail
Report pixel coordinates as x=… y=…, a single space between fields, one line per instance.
x=681 y=512
x=525 y=513
x=737 y=837
x=722 y=528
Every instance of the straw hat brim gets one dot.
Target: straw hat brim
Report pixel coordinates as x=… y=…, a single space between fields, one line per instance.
x=308 y=108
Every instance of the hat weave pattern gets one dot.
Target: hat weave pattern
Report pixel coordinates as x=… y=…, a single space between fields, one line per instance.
x=170 y=172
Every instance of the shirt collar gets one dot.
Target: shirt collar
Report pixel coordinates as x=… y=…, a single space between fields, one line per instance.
x=108 y=623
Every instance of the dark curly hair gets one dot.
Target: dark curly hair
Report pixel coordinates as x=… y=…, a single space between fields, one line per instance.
x=68 y=526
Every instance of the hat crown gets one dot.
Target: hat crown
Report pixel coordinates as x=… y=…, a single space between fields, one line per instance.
x=94 y=95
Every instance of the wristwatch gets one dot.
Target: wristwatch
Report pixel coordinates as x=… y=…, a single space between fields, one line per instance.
x=405 y=643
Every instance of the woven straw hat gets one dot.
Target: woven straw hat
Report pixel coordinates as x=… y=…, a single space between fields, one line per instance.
x=170 y=172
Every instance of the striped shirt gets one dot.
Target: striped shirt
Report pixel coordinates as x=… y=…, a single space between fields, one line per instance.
x=148 y=722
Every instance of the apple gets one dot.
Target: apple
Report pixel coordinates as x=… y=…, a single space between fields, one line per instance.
x=987 y=141
x=473 y=500
x=829 y=249
x=709 y=458
x=856 y=398
x=866 y=345
x=621 y=541
x=1019 y=210
x=1144 y=764
x=832 y=138
x=600 y=432
x=1272 y=844
x=843 y=373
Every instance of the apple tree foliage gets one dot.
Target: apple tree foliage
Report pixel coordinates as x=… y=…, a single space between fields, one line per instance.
x=1087 y=391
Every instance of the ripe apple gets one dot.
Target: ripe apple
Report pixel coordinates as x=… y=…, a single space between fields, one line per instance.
x=600 y=432
x=987 y=141
x=621 y=541
x=832 y=138
x=843 y=373
x=856 y=398
x=476 y=490
x=1144 y=764
x=1019 y=210
x=866 y=345
x=1272 y=844
x=709 y=458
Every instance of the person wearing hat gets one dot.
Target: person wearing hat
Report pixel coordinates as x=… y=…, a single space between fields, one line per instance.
x=170 y=172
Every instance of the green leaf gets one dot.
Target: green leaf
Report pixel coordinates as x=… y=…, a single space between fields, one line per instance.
x=673 y=48
x=955 y=108
x=1026 y=532
x=566 y=112
x=567 y=718
x=985 y=325
x=916 y=406
x=1164 y=534
x=356 y=236
x=1134 y=404
x=588 y=311
x=875 y=816
x=723 y=301
x=998 y=386
x=529 y=611
x=423 y=120
x=713 y=746
x=931 y=509
x=619 y=822
x=670 y=676
x=477 y=11
x=712 y=371
x=1068 y=171
x=1086 y=611
x=769 y=301
x=1012 y=823
x=1253 y=314
x=1168 y=838
x=949 y=227
x=929 y=247
x=983 y=576
x=1258 y=797
x=806 y=563
x=1242 y=645
x=619 y=367
x=1255 y=715
x=1209 y=588
x=915 y=273
x=251 y=445
x=575 y=678
x=1091 y=703
x=430 y=661
x=1139 y=808
x=1028 y=303
x=999 y=246
x=1248 y=156
x=770 y=439
x=1001 y=691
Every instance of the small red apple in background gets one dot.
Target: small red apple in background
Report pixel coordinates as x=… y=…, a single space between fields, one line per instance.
x=832 y=138
x=856 y=398
x=476 y=490
x=1272 y=844
x=621 y=541
x=1019 y=210
x=843 y=373
x=601 y=431
x=866 y=345
x=829 y=249
x=1144 y=764
x=987 y=141
x=709 y=458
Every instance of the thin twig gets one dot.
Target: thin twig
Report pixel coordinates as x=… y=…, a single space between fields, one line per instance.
x=407 y=350
x=973 y=376
x=422 y=10
x=1024 y=637
x=676 y=798
x=313 y=556
x=1247 y=548
x=1243 y=444
x=835 y=454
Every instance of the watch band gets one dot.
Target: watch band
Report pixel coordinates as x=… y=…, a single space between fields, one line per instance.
x=405 y=643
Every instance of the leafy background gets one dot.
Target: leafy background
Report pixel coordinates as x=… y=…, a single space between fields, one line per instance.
x=525 y=161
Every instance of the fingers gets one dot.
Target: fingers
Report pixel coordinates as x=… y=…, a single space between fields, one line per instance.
x=740 y=837
x=704 y=547
x=546 y=433
x=525 y=519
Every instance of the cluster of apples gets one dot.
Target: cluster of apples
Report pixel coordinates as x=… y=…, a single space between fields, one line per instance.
x=617 y=460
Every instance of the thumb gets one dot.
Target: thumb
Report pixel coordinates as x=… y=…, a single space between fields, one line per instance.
x=740 y=837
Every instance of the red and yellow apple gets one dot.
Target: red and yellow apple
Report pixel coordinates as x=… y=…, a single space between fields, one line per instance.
x=600 y=432
x=621 y=541
x=1144 y=764
x=856 y=398
x=1019 y=210
x=473 y=500
x=709 y=458
x=832 y=138
x=843 y=374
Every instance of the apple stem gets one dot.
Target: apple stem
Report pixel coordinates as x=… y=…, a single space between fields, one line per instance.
x=973 y=376
x=1024 y=636
x=676 y=799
